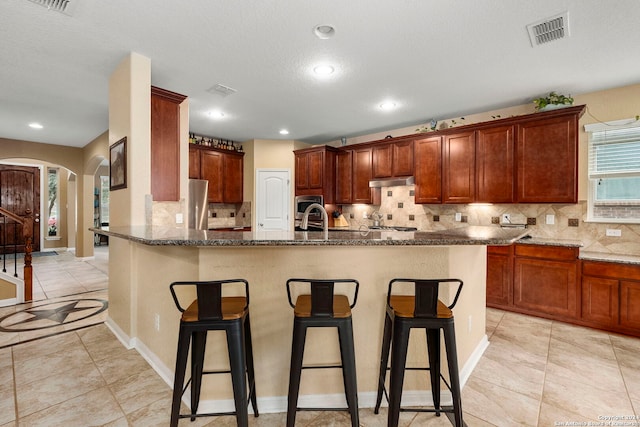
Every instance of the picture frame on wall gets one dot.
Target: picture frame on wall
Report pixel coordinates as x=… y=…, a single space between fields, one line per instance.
x=118 y=165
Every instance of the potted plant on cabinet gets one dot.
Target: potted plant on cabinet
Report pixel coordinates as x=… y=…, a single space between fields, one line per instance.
x=552 y=101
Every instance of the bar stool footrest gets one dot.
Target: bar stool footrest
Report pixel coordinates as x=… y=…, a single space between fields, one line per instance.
x=323 y=409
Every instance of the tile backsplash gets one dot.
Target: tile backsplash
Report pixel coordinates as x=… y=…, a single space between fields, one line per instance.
x=398 y=203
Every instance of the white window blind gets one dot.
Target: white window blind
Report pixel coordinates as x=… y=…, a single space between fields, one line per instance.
x=614 y=152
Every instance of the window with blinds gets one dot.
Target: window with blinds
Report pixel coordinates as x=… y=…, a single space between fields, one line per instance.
x=614 y=171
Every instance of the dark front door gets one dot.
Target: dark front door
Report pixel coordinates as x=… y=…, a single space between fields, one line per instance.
x=20 y=194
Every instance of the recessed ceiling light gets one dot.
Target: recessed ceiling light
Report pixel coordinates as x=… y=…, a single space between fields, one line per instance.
x=324 y=31
x=35 y=125
x=216 y=114
x=323 y=70
x=388 y=105
x=284 y=132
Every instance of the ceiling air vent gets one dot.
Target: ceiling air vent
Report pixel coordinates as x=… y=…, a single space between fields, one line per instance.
x=549 y=29
x=222 y=90
x=64 y=6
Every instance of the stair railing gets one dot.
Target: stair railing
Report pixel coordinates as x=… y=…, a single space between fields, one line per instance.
x=8 y=218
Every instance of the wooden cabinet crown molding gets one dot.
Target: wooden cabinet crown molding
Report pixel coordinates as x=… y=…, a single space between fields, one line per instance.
x=174 y=97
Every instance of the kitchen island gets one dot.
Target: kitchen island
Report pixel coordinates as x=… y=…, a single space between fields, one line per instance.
x=143 y=261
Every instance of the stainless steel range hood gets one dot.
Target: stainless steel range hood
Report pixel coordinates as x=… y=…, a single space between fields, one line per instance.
x=392 y=182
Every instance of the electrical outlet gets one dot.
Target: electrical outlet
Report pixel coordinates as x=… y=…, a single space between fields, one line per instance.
x=612 y=232
x=156 y=322
x=458 y=216
x=550 y=219
x=506 y=218
x=179 y=218
x=364 y=215
x=495 y=220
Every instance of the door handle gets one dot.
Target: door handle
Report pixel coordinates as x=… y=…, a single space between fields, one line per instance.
x=261 y=225
x=37 y=220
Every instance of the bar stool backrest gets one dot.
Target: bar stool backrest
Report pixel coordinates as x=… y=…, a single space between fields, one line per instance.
x=209 y=297
x=426 y=295
x=322 y=294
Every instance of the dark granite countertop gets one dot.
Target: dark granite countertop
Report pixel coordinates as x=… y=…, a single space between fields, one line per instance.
x=609 y=257
x=544 y=241
x=166 y=236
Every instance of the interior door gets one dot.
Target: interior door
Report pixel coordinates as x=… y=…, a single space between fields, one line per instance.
x=20 y=194
x=272 y=199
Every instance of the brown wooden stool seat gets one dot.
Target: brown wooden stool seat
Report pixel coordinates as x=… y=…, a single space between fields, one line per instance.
x=422 y=310
x=321 y=308
x=210 y=312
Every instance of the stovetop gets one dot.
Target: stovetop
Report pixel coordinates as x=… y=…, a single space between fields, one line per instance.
x=392 y=228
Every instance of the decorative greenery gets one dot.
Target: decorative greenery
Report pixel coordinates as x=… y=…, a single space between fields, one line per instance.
x=553 y=98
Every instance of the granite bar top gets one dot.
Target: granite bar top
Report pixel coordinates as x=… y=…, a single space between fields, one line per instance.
x=166 y=236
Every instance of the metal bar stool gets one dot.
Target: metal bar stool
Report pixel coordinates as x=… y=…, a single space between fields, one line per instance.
x=209 y=312
x=321 y=308
x=420 y=310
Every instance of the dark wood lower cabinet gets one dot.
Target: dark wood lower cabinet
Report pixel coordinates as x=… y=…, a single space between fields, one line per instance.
x=545 y=281
x=611 y=296
x=499 y=276
x=551 y=282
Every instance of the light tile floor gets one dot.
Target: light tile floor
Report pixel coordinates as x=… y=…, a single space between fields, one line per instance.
x=536 y=372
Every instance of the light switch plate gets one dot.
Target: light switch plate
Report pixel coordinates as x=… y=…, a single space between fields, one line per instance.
x=550 y=219
x=613 y=232
x=458 y=216
x=179 y=218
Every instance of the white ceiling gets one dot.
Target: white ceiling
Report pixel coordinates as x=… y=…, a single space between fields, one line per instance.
x=435 y=59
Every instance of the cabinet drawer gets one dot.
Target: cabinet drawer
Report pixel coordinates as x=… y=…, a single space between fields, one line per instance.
x=607 y=269
x=499 y=250
x=557 y=253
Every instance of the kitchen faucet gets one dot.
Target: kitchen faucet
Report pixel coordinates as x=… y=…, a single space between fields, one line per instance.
x=305 y=217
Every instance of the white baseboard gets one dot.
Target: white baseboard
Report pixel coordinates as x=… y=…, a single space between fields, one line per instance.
x=126 y=341
x=277 y=404
x=9 y=301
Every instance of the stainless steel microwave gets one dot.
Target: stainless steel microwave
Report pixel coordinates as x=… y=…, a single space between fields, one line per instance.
x=302 y=203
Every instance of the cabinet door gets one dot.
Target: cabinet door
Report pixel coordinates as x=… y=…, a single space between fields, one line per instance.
x=194 y=162
x=212 y=169
x=315 y=169
x=344 y=182
x=233 y=178
x=428 y=171
x=499 y=276
x=547 y=159
x=600 y=301
x=459 y=170
x=494 y=165
x=165 y=146
x=382 y=161
x=402 y=158
x=545 y=286
x=630 y=304
x=302 y=171
x=362 y=175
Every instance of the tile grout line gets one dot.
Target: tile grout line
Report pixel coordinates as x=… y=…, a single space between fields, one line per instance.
x=15 y=388
x=626 y=387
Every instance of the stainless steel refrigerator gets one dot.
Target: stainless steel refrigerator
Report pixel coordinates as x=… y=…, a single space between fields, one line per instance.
x=198 y=206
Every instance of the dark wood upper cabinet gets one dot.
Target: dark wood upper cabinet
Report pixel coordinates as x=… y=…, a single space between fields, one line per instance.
x=212 y=170
x=165 y=144
x=223 y=169
x=547 y=159
x=458 y=168
x=315 y=171
x=403 y=160
x=393 y=159
x=362 y=174
x=428 y=169
x=495 y=177
x=233 y=172
x=382 y=161
x=344 y=180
